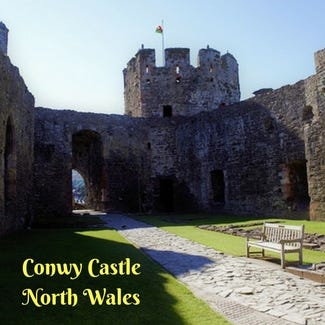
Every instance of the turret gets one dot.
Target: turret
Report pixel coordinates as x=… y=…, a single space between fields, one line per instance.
x=208 y=59
x=3 y=38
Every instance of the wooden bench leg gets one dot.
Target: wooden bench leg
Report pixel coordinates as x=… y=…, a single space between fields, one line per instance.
x=247 y=250
x=282 y=259
x=300 y=257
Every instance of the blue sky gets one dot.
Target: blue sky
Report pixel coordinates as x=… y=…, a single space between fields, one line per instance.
x=71 y=53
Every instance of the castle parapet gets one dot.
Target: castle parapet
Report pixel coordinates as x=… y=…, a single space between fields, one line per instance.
x=177 y=57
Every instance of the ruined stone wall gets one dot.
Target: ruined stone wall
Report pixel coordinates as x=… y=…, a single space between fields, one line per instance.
x=242 y=143
x=115 y=173
x=314 y=131
x=253 y=152
x=287 y=105
x=300 y=110
x=16 y=149
x=253 y=157
x=315 y=153
x=178 y=88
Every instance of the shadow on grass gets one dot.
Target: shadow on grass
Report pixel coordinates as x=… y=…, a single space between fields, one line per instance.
x=68 y=246
x=175 y=220
x=179 y=263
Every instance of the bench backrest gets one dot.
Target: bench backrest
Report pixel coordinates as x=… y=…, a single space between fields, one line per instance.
x=274 y=232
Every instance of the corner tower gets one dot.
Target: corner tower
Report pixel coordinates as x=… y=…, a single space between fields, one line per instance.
x=3 y=38
x=178 y=88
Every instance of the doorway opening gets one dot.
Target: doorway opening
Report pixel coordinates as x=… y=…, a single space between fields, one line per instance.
x=295 y=185
x=79 y=191
x=87 y=161
x=166 y=194
x=218 y=186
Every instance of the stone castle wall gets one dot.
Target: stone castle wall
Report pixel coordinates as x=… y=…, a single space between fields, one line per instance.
x=260 y=154
x=193 y=145
x=108 y=150
x=314 y=131
x=16 y=149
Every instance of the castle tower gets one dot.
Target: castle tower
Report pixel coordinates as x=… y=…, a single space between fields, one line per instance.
x=3 y=38
x=178 y=88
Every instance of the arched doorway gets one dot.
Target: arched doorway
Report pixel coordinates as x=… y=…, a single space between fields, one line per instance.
x=87 y=159
x=10 y=170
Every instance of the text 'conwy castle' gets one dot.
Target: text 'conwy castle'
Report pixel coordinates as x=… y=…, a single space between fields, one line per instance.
x=185 y=143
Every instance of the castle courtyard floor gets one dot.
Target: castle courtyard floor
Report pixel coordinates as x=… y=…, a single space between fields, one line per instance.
x=246 y=291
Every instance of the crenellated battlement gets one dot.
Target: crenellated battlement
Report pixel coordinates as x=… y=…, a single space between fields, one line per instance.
x=184 y=89
x=3 y=38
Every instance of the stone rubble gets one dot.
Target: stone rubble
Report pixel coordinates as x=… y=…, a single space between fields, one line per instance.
x=245 y=291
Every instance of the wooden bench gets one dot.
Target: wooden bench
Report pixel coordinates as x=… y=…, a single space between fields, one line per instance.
x=280 y=239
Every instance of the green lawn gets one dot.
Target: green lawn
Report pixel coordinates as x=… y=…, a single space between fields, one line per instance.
x=186 y=226
x=163 y=300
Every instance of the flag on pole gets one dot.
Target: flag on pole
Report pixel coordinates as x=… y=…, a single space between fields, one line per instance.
x=159 y=29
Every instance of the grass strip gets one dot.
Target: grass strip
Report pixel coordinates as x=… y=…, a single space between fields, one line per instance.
x=186 y=226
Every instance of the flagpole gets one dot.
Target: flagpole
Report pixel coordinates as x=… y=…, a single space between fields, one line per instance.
x=163 y=42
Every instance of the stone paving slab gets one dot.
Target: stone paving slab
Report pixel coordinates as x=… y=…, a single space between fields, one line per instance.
x=245 y=291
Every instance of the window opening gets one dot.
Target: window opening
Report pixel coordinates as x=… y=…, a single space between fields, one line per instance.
x=167 y=111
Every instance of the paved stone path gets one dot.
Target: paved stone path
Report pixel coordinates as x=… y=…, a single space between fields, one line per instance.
x=245 y=291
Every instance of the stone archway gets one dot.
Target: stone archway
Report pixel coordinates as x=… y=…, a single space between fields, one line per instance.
x=10 y=170
x=87 y=159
